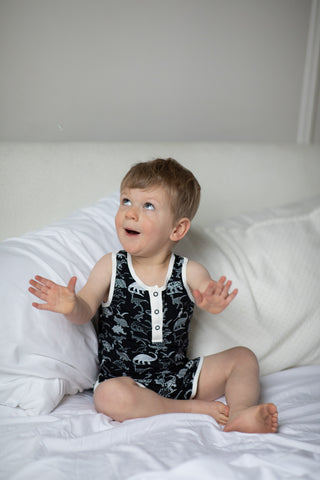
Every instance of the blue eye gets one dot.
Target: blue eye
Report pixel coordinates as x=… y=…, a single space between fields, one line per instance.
x=148 y=206
x=126 y=201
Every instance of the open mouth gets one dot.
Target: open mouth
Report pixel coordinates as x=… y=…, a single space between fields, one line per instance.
x=131 y=232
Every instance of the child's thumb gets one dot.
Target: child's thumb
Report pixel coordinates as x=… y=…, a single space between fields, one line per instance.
x=72 y=284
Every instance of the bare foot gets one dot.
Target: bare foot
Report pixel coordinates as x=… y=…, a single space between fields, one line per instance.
x=257 y=419
x=218 y=410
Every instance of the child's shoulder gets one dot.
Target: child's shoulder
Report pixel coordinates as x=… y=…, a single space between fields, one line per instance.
x=104 y=264
x=196 y=267
x=106 y=258
x=196 y=274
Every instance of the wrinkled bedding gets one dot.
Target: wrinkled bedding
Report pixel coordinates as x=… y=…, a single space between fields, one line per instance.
x=76 y=443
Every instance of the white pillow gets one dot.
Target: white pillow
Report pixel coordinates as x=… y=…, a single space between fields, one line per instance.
x=273 y=257
x=42 y=355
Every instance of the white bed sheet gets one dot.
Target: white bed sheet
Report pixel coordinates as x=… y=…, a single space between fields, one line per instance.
x=76 y=443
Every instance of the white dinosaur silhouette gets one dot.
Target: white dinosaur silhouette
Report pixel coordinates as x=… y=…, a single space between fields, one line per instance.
x=136 y=288
x=143 y=359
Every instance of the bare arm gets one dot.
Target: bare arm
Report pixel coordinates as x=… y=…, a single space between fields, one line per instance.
x=77 y=308
x=208 y=294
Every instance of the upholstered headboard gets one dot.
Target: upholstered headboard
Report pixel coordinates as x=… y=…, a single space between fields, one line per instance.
x=43 y=182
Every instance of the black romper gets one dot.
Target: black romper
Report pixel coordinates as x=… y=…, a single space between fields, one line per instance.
x=143 y=330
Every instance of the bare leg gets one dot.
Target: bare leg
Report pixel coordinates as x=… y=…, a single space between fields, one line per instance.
x=121 y=399
x=235 y=373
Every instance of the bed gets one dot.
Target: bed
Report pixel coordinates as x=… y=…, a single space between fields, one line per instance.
x=259 y=224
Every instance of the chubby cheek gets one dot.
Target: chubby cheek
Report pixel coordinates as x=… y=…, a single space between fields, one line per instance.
x=117 y=222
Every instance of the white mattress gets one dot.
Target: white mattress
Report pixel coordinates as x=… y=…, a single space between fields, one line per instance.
x=76 y=443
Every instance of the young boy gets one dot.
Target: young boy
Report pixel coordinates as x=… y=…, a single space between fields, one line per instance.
x=145 y=295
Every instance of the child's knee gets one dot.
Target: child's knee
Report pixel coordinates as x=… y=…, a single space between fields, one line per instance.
x=115 y=397
x=246 y=357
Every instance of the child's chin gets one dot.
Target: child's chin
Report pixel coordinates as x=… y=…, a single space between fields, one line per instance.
x=130 y=248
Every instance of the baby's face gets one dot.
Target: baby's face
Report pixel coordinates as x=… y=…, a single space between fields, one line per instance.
x=144 y=221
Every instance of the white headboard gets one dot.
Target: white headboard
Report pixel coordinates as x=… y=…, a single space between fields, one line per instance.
x=43 y=182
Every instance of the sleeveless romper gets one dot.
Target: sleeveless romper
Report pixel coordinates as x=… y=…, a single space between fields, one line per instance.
x=143 y=330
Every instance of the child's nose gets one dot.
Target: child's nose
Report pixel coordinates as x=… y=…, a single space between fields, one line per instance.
x=132 y=212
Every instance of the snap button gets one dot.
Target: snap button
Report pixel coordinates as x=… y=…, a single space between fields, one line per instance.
x=156 y=311
x=155 y=294
x=157 y=327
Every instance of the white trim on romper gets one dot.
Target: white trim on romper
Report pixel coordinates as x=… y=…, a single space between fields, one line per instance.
x=184 y=278
x=113 y=279
x=98 y=383
x=196 y=378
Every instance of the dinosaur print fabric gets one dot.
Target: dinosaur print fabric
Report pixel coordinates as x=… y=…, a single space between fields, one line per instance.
x=143 y=331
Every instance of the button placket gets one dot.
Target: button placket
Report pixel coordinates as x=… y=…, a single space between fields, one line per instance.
x=156 y=315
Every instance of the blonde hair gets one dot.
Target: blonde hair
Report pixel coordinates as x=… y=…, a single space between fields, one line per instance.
x=179 y=182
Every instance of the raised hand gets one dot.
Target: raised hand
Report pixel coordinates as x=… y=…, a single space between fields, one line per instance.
x=216 y=296
x=56 y=298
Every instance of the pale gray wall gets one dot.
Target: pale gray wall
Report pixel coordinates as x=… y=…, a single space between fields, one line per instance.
x=317 y=121
x=218 y=70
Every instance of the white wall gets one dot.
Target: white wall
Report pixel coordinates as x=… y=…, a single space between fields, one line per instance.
x=100 y=70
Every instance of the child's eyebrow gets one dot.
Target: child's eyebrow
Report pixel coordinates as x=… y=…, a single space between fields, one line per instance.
x=124 y=194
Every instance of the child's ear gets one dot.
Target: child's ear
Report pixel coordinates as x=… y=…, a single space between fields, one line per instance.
x=180 y=229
